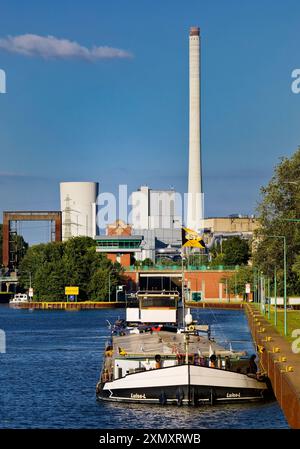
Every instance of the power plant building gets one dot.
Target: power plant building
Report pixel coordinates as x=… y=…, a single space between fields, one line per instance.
x=154 y=215
x=154 y=209
x=78 y=206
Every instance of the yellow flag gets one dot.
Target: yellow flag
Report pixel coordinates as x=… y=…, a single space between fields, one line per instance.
x=191 y=239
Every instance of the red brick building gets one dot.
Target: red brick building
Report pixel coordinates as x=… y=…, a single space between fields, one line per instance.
x=118 y=243
x=206 y=281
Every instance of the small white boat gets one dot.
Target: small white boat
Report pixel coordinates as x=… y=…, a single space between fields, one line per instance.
x=19 y=298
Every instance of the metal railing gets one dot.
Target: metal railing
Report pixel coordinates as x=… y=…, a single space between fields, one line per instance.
x=179 y=268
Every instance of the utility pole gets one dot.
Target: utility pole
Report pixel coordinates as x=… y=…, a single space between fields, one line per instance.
x=284 y=275
x=275 y=294
x=269 y=299
x=284 y=286
x=109 y=286
x=182 y=288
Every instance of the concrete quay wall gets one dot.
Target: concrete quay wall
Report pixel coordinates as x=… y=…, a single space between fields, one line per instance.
x=279 y=362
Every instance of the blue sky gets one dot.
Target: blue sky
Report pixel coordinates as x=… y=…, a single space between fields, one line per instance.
x=125 y=120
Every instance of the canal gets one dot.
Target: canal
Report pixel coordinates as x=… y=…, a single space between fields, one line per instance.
x=52 y=362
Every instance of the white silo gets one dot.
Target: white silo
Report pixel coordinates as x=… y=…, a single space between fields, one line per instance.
x=78 y=205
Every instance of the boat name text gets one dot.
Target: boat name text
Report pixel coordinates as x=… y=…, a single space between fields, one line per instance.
x=233 y=395
x=138 y=396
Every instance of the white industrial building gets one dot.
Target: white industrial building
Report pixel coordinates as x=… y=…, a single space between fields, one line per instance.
x=78 y=206
x=155 y=215
x=159 y=243
x=154 y=209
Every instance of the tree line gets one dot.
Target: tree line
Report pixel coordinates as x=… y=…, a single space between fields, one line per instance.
x=20 y=247
x=75 y=262
x=279 y=205
x=52 y=266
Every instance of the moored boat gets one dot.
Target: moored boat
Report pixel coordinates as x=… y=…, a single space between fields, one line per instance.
x=19 y=298
x=154 y=356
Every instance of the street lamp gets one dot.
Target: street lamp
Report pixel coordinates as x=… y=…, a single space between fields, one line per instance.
x=284 y=279
x=255 y=285
x=235 y=284
x=269 y=298
x=258 y=287
x=109 y=286
x=262 y=293
x=275 y=295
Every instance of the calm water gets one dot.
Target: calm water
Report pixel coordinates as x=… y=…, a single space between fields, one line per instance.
x=49 y=372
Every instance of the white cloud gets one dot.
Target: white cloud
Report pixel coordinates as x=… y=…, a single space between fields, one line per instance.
x=52 y=47
x=5 y=174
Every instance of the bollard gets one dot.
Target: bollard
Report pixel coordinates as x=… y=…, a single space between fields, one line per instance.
x=276 y=349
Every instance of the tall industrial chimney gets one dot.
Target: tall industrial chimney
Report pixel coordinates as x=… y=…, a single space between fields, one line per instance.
x=194 y=207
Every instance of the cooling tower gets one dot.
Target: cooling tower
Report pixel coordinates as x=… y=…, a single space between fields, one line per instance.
x=78 y=206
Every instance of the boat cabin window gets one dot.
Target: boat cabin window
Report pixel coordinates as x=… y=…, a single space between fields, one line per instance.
x=132 y=302
x=155 y=301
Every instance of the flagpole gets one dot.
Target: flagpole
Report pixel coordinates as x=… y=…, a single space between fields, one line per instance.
x=190 y=239
x=182 y=287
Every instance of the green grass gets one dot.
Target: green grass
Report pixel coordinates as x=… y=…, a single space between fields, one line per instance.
x=293 y=320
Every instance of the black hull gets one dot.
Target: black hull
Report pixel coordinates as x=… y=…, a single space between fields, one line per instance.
x=182 y=395
x=183 y=384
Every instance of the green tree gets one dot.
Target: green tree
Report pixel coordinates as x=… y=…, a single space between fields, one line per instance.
x=53 y=266
x=236 y=251
x=43 y=265
x=236 y=281
x=143 y=263
x=147 y=262
x=296 y=266
x=233 y=251
x=280 y=201
x=104 y=281
x=217 y=259
x=20 y=247
x=166 y=261
x=98 y=287
x=80 y=260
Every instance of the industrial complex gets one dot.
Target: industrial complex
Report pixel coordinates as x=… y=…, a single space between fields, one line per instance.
x=153 y=228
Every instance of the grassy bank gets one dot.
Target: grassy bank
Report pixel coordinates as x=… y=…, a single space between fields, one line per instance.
x=293 y=320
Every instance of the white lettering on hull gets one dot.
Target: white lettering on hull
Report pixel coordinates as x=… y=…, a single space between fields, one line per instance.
x=137 y=396
x=233 y=395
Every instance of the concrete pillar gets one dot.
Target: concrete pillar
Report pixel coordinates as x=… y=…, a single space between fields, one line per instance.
x=58 y=228
x=220 y=291
x=203 y=289
x=5 y=244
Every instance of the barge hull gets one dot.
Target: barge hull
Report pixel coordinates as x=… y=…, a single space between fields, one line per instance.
x=184 y=384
